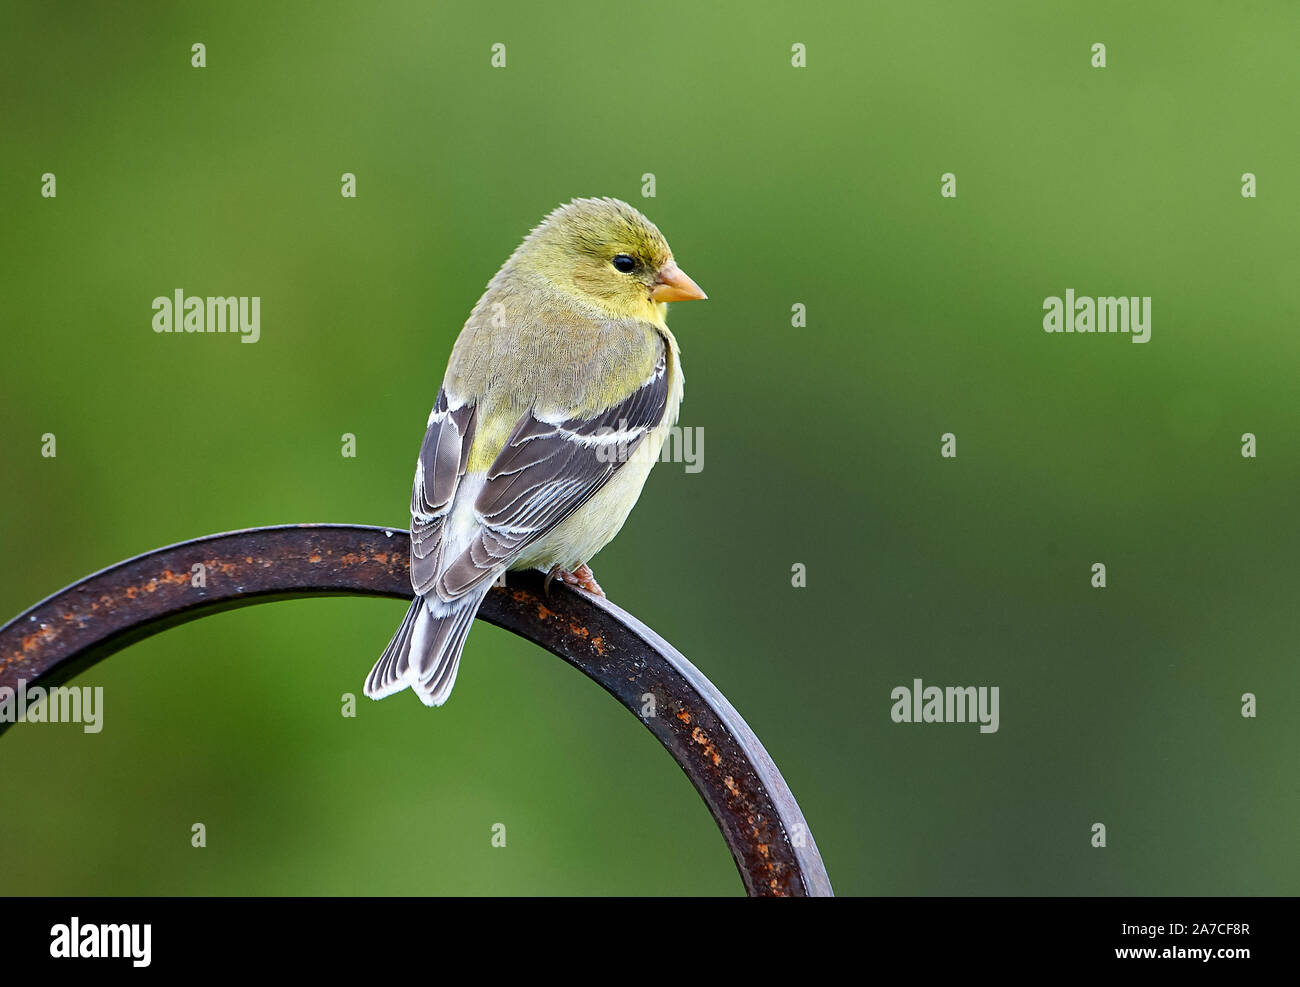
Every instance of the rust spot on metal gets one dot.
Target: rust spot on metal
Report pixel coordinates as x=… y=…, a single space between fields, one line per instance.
x=578 y=629
x=598 y=643
x=684 y=716
x=711 y=752
x=734 y=789
x=314 y=557
x=37 y=638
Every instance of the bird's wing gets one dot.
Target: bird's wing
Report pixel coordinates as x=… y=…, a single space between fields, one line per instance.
x=546 y=470
x=438 y=471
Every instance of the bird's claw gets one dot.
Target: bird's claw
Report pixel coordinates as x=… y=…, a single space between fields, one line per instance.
x=581 y=577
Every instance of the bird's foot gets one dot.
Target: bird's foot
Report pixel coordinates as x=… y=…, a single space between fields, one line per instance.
x=581 y=577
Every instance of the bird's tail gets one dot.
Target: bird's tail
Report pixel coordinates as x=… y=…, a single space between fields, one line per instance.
x=425 y=652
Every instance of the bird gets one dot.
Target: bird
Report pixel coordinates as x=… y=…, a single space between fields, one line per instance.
x=559 y=393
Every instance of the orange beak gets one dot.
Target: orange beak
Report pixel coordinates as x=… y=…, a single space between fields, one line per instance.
x=674 y=285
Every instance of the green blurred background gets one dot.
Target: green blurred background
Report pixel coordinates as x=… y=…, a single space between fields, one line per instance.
x=775 y=185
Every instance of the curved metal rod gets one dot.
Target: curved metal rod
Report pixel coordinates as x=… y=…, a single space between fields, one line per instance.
x=103 y=613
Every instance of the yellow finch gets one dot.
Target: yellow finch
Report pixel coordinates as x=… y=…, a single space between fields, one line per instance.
x=558 y=396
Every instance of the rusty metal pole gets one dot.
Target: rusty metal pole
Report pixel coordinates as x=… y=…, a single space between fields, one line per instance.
x=750 y=801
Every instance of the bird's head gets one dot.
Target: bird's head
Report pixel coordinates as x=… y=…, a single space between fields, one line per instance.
x=606 y=252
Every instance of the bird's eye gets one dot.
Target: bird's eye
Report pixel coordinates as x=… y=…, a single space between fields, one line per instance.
x=624 y=264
